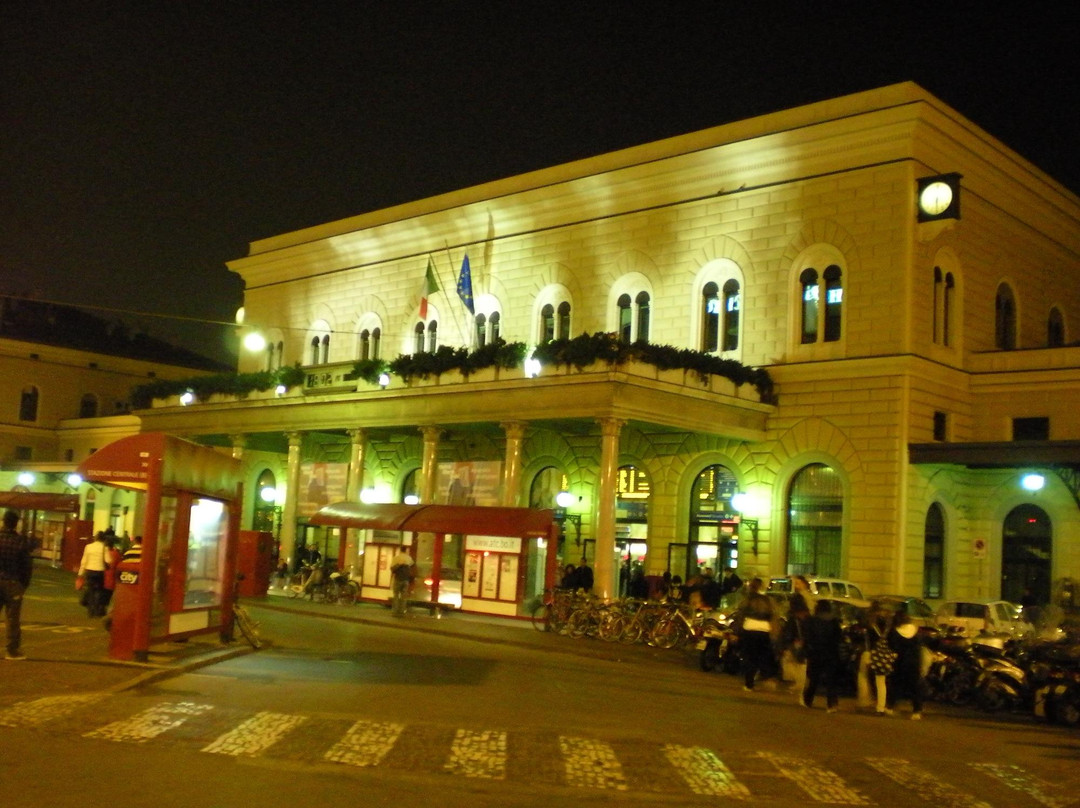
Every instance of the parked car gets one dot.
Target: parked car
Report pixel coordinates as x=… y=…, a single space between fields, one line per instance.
x=921 y=613
x=822 y=587
x=971 y=617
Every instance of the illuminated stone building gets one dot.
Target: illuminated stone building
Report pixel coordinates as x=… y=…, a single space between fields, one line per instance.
x=910 y=285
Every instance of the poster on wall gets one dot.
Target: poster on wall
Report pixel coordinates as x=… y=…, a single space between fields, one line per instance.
x=320 y=484
x=470 y=483
x=508 y=577
x=489 y=586
x=470 y=584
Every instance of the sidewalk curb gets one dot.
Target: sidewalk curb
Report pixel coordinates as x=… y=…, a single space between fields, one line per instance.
x=167 y=672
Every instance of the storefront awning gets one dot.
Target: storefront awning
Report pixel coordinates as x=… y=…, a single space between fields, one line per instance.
x=27 y=501
x=475 y=520
x=181 y=464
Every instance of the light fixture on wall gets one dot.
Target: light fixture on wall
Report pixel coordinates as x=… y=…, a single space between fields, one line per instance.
x=1032 y=482
x=384 y=380
x=26 y=478
x=743 y=503
x=268 y=494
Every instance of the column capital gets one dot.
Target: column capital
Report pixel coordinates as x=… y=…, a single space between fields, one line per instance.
x=514 y=430
x=357 y=434
x=431 y=433
x=296 y=439
x=611 y=426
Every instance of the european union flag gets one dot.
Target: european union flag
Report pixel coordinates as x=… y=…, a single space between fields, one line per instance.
x=464 y=285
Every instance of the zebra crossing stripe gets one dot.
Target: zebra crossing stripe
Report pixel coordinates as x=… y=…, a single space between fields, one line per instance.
x=926 y=785
x=365 y=744
x=591 y=764
x=1017 y=779
x=150 y=723
x=820 y=784
x=37 y=712
x=478 y=754
x=704 y=772
x=258 y=733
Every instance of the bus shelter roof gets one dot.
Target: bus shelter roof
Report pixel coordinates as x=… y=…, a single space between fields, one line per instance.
x=475 y=520
x=30 y=501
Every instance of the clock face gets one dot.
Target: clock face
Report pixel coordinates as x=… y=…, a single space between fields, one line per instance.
x=935 y=198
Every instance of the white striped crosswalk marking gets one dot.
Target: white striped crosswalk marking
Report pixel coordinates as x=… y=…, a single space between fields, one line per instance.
x=254 y=735
x=37 y=712
x=591 y=764
x=365 y=744
x=1017 y=779
x=478 y=754
x=150 y=723
x=704 y=772
x=928 y=786
x=819 y=784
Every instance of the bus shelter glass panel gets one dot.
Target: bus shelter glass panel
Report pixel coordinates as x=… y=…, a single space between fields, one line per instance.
x=207 y=530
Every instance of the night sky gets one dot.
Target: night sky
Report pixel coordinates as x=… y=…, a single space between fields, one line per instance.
x=145 y=144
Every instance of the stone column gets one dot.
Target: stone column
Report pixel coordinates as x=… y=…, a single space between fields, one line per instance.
x=292 y=496
x=356 y=465
x=604 y=571
x=429 y=467
x=515 y=437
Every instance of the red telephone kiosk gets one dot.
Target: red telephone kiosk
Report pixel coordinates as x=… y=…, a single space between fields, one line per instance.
x=182 y=584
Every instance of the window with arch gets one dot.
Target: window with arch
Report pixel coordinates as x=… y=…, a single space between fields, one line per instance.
x=816 y=510
x=944 y=303
x=410 y=487
x=1004 y=318
x=626 y=319
x=934 y=552
x=275 y=355
x=320 y=349
x=28 y=404
x=265 y=509
x=1055 y=329
x=711 y=542
x=88 y=406
x=817 y=325
x=368 y=343
x=546 y=485
x=426 y=336
x=644 y=316
x=633 y=317
x=554 y=322
x=732 y=306
x=710 y=317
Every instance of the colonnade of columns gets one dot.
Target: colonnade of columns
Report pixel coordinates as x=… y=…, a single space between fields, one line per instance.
x=604 y=571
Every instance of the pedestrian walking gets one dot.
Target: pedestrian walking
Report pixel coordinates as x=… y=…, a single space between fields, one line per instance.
x=823 y=637
x=112 y=558
x=16 y=569
x=755 y=631
x=906 y=679
x=877 y=660
x=95 y=560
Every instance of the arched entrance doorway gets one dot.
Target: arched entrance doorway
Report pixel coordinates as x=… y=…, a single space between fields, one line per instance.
x=1026 y=546
x=712 y=527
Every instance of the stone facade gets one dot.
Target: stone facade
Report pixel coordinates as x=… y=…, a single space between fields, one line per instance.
x=903 y=347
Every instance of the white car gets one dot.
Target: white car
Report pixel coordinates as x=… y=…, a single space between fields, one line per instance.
x=972 y=617
x=822 y=587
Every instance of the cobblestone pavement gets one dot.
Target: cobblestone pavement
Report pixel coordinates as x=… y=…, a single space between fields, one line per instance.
x=570 y=762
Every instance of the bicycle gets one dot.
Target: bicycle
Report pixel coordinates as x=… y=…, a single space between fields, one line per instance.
x=243 y=620
x=553 y=611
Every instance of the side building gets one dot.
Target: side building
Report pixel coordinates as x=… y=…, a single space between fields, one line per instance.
x=66 y=384
x=897 y=292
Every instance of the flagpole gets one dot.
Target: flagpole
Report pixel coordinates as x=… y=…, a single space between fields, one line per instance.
x=467 y=333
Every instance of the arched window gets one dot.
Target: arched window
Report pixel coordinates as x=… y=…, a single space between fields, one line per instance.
x=433 y=341
x=1005 y=319
x=265 y=504
x=643 y=316
x=626 y=319
x=934 y=553
x=365 y=344
x=547 y=323
x=418 y=338
x=710 y=317
x=808 y=283
x=1055 y=329
x=816 y=509
x=732 y=306
x=563 y=329
x=28 y=404
x=325 y=355
x=410 y=487
x=834 y=303
x=88 y=406
x=315 y=350
x=481 y=330
x=546 y=485
x=1026 y=554
x=495 y=325
x=711 y=542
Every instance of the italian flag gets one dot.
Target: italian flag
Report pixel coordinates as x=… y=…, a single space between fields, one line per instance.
x=430 y=287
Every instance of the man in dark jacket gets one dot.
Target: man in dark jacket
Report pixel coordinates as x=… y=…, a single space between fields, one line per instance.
x=822 y=636
x=16 y=567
